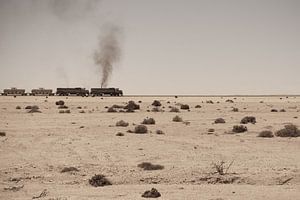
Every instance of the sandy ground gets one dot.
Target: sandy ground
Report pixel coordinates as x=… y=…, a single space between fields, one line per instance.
x=37 y=146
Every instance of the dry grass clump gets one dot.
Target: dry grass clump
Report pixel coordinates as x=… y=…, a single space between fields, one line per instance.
x=28 y=107
x=18 y=107
x=239 y=129
x=99 y=181
x=157 y=109
x=289 y=130
x=67 y=111
x=198 y=106
x=282 y=110
x=61 y=111
x=266 y=134
x=2 y=134
x=111 y=110
x=81 y=111
x=220 y=121
x=229 y=101
x=153 y=193
x=150 y=166
x=132 y=106
x=140 y=129
x=274 y=110
x=159 y=132
x=122 y=123
x=221 y=167
x=156 y=103
x=184 y=107
x=177 y=119
x=148 y=121
x=211 y=130
x=209 y=102
x=34 y=109
x=174 y=109
x=60 y=103
x=69 y=169
x=248 y=119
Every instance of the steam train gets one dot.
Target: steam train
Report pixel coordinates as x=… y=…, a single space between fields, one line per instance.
x=77 y=91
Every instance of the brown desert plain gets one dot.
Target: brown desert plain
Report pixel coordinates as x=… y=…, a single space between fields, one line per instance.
x=53 y=155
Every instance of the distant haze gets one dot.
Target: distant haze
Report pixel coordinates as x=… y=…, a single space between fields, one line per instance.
x=168 y=46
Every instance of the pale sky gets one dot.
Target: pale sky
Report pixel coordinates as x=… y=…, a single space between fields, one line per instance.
x=168 y=46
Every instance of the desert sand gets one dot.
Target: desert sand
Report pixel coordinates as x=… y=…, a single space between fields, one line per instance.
x=37 y=146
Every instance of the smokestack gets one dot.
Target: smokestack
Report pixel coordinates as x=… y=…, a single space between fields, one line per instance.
x=108 y=52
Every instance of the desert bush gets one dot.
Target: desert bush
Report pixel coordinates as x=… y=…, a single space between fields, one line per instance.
x=111 y=110
x=209 y=102
x=122 y=123
x=79 y=107
x=157 y=109
x=229 y=101
x=274 y=110
x=177 y=119
x=81 y=111
x=282 y=110
x=150 y=166
x=159 y=132
x=148 y=121
x=153 y=193
x=211 y=130
x=219 y=121
x=60 y=103
x=174 y=109
x=184 y=107
x=248 y=119
x=235 y=109
x=63 y=107
x=99 y=181
x=198 y=106
x=140 y=129
x=28 y=107
x=18 y=107
x=289 y=130
x=120 y=134
x=132 y=106
x=69 y=169
x=221 y=167
x=266 y=134
x=2 y=134
x=67 y=111
x=61 y=111
x=239 y=129
x=156 y=103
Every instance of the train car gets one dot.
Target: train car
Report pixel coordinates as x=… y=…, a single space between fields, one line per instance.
x=72 y=91
x=41 y=92
x=14 y=91
x=106 y=91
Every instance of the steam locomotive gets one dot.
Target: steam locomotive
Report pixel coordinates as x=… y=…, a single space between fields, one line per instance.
x=77 y=91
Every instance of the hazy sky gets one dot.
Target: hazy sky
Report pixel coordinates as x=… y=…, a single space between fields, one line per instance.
x=168 y=46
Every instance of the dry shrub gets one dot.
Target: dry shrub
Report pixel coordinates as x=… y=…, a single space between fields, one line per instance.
x=28 y=107
x=157 y=109
x=120 y=134
x=63 y=107
x=156 y=103
x=81 y=111
x=248 y=119
x=140 y=129
x=274 y=110
x=60 y=103
x=99 y=181
x=289 y=130
x=177 y=119
x=2 y=134
x=132 y=106
x=18 y=107
x=122 y=123
x=229 y=101
x=239 y=129
x=79 y=107
x=221 y=167
x=159 y=132
x=266 y=134
x=211 y=130
x=198 y=106
x=69 y=169
x=235 y=109
x=184 y=107
x=282 y=110
x=153 y=193
x=61 y=111
x=150 y=166
x=111 y=110
x=67 y=111
x=148 y=121
x=220 y=121
x=209 y=102
x=174 y=109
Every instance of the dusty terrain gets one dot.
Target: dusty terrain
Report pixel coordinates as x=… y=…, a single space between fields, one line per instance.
x=37 y=146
